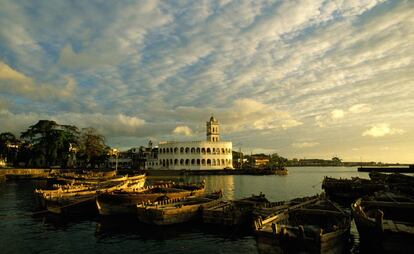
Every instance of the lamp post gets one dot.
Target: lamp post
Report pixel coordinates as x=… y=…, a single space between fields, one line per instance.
x=116 y=159
x=115 y=152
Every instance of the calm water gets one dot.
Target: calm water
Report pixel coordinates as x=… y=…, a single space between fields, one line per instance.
x=21 y=232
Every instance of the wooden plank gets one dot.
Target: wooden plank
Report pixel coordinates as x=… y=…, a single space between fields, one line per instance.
x=319 y=211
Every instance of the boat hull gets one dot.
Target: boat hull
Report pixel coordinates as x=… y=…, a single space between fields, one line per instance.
x=337 y=242
x=174 y=213
x=80 y=206
x=385 y=236
x=312 y=226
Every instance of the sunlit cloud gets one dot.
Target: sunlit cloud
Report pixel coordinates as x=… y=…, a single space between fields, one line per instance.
x=360 y=108
x=16 y=83
x=305 y=144
x=337 y=113
x=270 y=71
x=182 y=130
x=383 y=129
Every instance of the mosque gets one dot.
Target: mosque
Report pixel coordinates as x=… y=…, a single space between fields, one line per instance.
x=195 y=155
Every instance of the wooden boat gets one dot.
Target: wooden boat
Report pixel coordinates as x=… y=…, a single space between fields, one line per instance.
x=385 y=222
x=124 y=201
x=86 y=175
x=80 y=202
x=137 y=181
x=170 y=212
x=316 y=225
x=78 y=195
x=233 y=213
x=396 y=181
x=348 y=190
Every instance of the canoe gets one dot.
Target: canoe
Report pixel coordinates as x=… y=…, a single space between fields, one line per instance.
x=78 y=202
x=234 y=212
x=314 y=226
x=346 y=191
x=78 y=188
x=124 y=201
x=385 y=222
x=170 y=212
x=396 y=182
x=68 y=200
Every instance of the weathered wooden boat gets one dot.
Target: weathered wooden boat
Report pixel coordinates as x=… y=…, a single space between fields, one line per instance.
x=385 y=222
x=348 y=190
x=78 y=195
x=395 y=181
x=86 y=175
x=316 y=225
x=79 y=202
x=173 y=211
x=137 y=181
x=124 y=201
x=234 y=212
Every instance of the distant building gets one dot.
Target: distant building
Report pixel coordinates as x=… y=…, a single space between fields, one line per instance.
x=260 y=160
x=210 y=154
x=150 y=156
x=120 y=160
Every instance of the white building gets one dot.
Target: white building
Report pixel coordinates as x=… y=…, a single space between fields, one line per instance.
x=209 y=154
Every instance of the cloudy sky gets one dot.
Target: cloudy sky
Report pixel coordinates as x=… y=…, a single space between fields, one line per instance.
x=301 y=78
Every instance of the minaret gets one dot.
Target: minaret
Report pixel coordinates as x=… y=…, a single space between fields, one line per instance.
x=213 y=132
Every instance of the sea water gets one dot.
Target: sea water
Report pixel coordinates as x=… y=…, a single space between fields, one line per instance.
x=22 y=231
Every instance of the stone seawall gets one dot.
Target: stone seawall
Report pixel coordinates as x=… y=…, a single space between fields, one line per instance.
x=171 y=172
x=24 y=171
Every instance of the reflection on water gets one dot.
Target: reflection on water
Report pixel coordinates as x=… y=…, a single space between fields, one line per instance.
x=22 y=233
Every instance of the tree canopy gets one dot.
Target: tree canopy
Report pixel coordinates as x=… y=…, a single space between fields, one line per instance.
x=92 y=148
x=51 y=142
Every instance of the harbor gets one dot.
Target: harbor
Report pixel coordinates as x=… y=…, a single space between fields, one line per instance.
x=19 y=211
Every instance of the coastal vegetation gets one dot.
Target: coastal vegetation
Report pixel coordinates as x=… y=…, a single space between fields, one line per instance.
x=49 y=144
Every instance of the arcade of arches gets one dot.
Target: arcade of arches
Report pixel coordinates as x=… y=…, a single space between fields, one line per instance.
x=195 y=155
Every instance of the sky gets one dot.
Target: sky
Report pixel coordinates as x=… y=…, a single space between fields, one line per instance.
x=304 y=79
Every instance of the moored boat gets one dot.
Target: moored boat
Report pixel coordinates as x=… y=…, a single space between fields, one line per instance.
x=78 y=202
x=124 y=201
x=316 y=225
x=385 y=222
x=234 y=212
x=69 y=197
x=348 y=190
x=170 y=212
x=395 y=181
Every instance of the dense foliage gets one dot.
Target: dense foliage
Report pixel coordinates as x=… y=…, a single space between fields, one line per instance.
x=49 y=144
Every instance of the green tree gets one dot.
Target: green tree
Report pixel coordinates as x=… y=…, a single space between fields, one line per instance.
x=336 y=161
x=277 y=161
x=51 y=142
x=92 y=148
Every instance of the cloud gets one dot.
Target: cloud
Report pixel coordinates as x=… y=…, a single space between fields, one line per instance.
x=382 y=129
x=305 y=144
x=182 y=130
x=269 y=68
x=110 y=125
x=241 y=115
x=337 y=113
x=9 y=74
x=359 y=108
x=14 y=82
